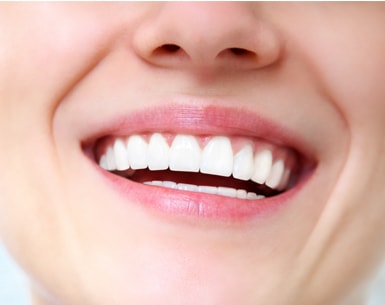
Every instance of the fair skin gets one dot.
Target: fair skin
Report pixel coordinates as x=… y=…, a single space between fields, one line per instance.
x=73 y=74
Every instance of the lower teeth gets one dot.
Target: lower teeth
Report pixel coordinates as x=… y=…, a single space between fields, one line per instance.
x=222 y=191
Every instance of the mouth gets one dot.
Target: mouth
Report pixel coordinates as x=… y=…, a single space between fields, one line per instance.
x=220 y=162
x=226 y=166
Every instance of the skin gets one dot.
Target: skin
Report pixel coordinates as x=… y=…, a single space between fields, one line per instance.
x=67 y=66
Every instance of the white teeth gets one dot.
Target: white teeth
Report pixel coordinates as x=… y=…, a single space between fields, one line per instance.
x=185 y=154
x=169 y=184
x=275 y=177
x=241 y=194
x=110 y=158
x=155 y=183
x=262 y=166
x=253 y=196
x=157 y=153
x=222 y=191
x=244 y=164
x=208 y=189
x=137 y=152
x=187 y=187
x=120 y=154
x=227 y=191
x=103 y=162
x=285 y=180
x=217 y=157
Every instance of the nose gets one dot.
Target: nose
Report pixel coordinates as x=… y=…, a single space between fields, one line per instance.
x=207 y=36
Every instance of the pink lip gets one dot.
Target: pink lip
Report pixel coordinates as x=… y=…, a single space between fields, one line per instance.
x=198 y=120
x=191 y=204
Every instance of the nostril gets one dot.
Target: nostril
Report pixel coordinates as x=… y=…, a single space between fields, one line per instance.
x=239 y=54
x=239 y=51
x=166 y=49
x=167 y=55
x=171 y=48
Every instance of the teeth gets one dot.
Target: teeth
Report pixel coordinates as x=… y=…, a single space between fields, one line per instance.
x=253 y=196
x=120 y=154
x=187 y=187
x=285 y=180
x=110 y=159
x=157 y=153
x=223 y=191
x=208 y=189
x=241 y=194
x=103 y=162
x=185 y=154
x=276 y=174
x=137 y=152
x=244 y=164
x=169 y=184
x=217 y=157
x=262 y=166
x=227 y=191
x=156 y=183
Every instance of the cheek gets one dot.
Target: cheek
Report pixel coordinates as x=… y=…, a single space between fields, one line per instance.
x=358 y=87
x=28 y=212
x=346 y=55
x=343 y=46
x=39 y=65
x=34 y=220
x=43 y=53
x=349 y=61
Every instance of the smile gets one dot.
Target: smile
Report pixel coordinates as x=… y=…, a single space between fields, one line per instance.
x=254 y=169
x=220 y=162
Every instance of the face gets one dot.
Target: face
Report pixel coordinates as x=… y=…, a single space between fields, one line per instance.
x=210 y=153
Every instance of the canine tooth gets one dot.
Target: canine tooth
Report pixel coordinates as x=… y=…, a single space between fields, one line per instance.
x=241 y=194
x=185 y=154
x=217 y=157
x=227 y=191
x=187 y=187
x=208 y=189
x=285 y=180
x=276 y=174
x=262 y=166
x=120 y=154
x=157 y=152
x=243 y=168
x=110 y=158
x=103 y=162
x=137 y=152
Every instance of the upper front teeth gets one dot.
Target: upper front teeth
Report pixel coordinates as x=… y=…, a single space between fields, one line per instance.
x=136 y=154
x=243 y=168
x=158 y=153
x=263 y=163
x=217 y=157
x=185 y=154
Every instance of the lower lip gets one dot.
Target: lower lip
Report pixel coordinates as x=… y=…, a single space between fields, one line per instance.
x=196 y=205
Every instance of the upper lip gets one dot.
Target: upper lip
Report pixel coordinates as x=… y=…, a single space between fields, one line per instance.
x=200 y=119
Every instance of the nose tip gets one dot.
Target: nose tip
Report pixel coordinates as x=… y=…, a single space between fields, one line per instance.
x=207 y=35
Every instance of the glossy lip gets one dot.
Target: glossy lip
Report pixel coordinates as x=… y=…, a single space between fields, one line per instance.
x=199 y=120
